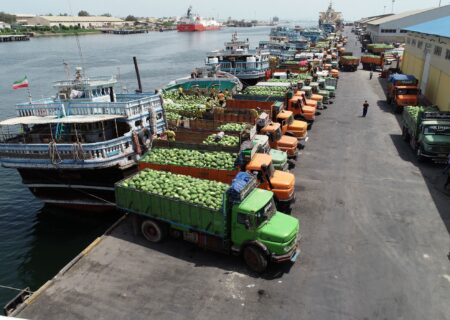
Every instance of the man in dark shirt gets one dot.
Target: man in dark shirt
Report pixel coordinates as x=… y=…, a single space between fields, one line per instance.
x=365 y=107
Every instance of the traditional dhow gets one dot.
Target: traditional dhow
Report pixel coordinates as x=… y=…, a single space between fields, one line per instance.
x=238 y=59
x=71 y=149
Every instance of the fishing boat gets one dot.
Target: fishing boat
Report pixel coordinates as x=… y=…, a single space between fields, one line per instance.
x=193 y=22
x=70 y=149
x=250 y=66
x=207 y=78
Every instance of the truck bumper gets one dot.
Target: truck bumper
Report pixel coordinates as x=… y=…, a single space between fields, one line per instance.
x=435 y=157
x=290 y=256
x=293 y=155
x=287 y=203
x=302 y=142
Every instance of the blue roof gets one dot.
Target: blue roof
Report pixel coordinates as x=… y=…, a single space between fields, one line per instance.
x=439 y=27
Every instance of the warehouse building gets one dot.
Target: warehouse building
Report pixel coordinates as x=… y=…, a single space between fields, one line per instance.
x=73 y=21
x=391 y=29
x=427 y=56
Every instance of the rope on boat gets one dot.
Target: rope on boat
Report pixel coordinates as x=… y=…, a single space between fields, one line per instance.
x=78 y=152
x=55 y=157
x=16 y=289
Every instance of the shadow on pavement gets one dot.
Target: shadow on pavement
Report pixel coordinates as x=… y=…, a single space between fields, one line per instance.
x=432 y=175
x=189 y=252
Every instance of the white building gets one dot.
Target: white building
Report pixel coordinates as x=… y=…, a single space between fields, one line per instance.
x=4 y=25
x=72 y=21
x=390 y=29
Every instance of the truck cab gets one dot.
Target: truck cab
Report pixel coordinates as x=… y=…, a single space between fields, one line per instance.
x=260 y=233
x=309 y=98
x=281 y=183
x=279 y=141
x=434 y=139
x=295 y=128
x=279 y=158
x=402 y=90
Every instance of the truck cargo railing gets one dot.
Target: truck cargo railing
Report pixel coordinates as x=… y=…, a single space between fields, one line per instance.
x=441 y=115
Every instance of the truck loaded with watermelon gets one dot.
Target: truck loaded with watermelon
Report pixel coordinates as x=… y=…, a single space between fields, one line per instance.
x=235 y=219
x=428 y=132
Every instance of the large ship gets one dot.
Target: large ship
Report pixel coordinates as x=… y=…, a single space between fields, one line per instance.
x=193 y=22
x=330 y=20
x=250 y=66
x=70 y=149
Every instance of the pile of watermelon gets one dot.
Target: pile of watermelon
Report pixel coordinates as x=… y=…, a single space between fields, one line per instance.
x=226 y=140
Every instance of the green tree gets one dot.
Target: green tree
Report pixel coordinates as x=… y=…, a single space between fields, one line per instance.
x=83 y=13
x=131 y=18
x=106 y=15
x=8 y=18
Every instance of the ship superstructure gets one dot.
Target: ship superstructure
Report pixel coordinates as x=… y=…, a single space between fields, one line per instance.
x=330 y=20
x=70 y=149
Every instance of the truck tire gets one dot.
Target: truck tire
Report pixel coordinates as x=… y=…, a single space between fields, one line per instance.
x=255 y=259
x=419 y=156
x=405 y=134
x=153 y=231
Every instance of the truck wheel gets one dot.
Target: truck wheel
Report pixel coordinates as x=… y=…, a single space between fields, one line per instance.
x=152 y=231
x=419 y=155
x=405 y=134
x=255 y=259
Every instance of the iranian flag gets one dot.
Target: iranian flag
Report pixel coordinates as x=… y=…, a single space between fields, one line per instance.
x=22 y=83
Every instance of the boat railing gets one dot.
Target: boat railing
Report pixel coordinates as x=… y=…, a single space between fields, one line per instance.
x=244 y=66
x=78 y=154
x=83 y=82
x=126 y=107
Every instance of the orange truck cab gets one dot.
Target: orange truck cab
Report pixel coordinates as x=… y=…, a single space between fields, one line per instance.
x=402 y=90
x=300 y=110
x=276 y=139
x=310 y=98
x=294 y=128
x=281 y=183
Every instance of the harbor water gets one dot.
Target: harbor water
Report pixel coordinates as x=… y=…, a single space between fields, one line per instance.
x=35 y=243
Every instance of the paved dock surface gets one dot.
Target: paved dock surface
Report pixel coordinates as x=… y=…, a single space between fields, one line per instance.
x=375 y=227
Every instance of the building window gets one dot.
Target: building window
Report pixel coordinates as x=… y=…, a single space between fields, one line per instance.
x=438 y=51
x=388 y=30
x=447 y=54
x=413 y=42
x=419 y=44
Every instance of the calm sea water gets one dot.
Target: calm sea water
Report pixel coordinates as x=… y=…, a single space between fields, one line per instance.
x=36 y=243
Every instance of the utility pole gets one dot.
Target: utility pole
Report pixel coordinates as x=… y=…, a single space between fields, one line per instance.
x=384 y=9
x=440 y=3
x=393 y=1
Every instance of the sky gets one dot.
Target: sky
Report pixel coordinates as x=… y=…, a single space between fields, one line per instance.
x=239 y=9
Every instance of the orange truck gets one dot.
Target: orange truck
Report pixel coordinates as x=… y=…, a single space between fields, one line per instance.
x=402 y=90
x=289 y=126
x=348 y=62
x=372 y=61
x=277 y=140
x=281 y=183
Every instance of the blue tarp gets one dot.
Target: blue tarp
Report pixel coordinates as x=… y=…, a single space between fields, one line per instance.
x=401 y=77
x=238 y=184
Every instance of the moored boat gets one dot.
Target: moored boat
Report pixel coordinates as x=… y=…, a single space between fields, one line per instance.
x=72 y=148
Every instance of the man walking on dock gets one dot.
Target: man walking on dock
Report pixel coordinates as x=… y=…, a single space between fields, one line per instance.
x=365 y=108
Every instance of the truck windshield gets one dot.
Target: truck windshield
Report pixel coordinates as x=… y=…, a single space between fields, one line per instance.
x=277 y=134
x=266 y=213
x=290 y=120
x=437 y=130
x=407 y=92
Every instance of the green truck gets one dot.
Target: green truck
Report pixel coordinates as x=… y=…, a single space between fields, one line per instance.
x=238 y=219
x=428 y=132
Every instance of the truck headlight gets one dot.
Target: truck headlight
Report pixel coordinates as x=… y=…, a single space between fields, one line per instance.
x=287 y=248
x=427 y=147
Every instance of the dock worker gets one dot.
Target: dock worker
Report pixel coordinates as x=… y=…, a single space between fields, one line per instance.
x=221 y=98
x=365 y=108
x=180 y=92
x=371 y=74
